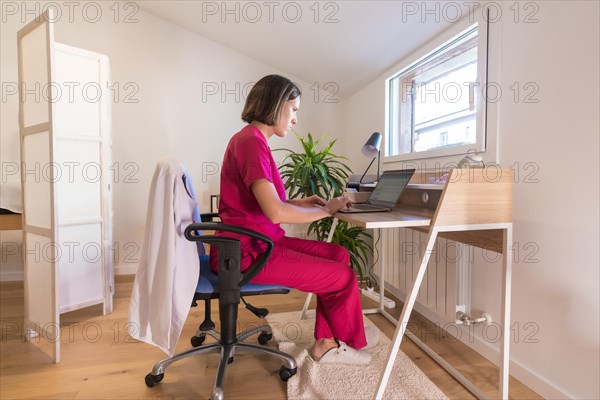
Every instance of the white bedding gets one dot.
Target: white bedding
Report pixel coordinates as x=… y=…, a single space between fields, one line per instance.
x=10 y=196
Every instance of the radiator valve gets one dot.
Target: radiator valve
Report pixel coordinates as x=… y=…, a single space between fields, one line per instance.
x=465 y=319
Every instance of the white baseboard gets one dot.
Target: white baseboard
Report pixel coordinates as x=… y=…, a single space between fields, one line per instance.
x=516 y=369
x=126 y=269
x=11 y=276
x=532 y=380
x=122 y=269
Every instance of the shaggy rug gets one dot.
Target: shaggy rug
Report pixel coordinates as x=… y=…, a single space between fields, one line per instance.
x=336 y=381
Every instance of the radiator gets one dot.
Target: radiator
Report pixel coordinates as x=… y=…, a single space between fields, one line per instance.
x=446 y=287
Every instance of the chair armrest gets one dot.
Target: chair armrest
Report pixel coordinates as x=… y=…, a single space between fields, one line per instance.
x=191 y=234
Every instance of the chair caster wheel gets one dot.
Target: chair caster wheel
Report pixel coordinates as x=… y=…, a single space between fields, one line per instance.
x=230 y=360
x=152 y=380
x=264 y=338
x=197 y=341
x=286 y=373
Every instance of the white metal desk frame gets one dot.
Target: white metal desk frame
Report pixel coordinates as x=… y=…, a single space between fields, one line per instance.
x=402 y=323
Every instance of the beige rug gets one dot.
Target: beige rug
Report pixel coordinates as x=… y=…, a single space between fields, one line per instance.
x=331 y=382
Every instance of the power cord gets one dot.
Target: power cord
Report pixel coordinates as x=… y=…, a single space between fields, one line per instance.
x=370 y=280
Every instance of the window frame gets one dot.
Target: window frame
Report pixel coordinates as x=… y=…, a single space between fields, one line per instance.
x=422 y=56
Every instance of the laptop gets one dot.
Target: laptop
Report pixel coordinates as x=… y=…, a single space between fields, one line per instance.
x=386 y=194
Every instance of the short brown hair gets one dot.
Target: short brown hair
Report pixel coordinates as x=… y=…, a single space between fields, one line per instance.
x=266 y=98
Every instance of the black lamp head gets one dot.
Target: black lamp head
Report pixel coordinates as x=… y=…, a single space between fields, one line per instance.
x=371 y=148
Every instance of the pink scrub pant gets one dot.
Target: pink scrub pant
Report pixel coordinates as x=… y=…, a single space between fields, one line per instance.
x=323 y=269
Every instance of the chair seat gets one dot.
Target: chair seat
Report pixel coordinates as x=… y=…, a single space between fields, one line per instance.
x=208 y=284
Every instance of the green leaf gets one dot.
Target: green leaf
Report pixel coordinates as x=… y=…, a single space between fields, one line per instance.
x=319 y=171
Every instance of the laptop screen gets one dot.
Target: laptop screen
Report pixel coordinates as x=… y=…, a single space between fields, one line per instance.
x=390 y=187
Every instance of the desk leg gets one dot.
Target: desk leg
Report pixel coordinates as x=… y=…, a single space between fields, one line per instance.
x=405 y=315
x=306 y=304
x=507 y=256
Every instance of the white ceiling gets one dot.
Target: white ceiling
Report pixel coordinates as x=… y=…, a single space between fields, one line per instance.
x=349 y=43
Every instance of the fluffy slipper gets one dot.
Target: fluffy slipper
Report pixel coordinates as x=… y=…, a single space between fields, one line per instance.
x=345 y=355
x=372 y=335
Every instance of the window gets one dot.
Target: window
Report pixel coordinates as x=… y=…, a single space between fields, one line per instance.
x=434 y=105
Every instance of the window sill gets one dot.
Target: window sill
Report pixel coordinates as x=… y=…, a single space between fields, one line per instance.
x=453 y=152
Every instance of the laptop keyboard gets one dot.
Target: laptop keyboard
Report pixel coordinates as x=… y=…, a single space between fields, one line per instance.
x=365 y=207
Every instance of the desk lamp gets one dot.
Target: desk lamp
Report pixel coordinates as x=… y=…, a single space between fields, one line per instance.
x=371 y=149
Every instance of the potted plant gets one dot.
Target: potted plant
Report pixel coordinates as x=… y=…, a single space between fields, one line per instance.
x=320 y=172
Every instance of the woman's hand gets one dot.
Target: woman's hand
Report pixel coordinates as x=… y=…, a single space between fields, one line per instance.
x=337 y=203
x=310 y=201
x=297 y=211
x=314 y=200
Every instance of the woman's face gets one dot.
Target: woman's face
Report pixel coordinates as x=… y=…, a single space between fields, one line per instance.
x=287 y=118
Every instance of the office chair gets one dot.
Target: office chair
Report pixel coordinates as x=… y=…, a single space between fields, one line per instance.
x=228 y=287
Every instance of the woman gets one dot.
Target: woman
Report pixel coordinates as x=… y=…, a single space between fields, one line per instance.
x=253 y=197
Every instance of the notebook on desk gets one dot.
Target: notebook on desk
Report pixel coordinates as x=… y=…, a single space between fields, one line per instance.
x=386 y=194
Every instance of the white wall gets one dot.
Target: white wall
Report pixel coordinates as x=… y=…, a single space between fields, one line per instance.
x=555 y=302
x=166 y=78
x=559 y=134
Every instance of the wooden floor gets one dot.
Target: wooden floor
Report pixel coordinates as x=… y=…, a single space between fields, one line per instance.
x=100 y=361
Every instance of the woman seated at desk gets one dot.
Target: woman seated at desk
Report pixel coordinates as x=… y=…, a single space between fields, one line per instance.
x=253 y=197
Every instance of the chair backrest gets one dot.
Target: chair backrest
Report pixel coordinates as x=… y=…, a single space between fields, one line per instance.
x=189 y=186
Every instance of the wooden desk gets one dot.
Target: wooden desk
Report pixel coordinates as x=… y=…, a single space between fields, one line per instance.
x=473 y=207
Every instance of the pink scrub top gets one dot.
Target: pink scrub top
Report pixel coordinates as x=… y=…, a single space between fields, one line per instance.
x=248 y=159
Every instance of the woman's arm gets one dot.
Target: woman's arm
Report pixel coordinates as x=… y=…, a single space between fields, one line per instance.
x=310 y=201
x=279 y=212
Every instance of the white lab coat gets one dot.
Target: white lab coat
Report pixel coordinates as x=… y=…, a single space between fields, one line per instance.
x=169 y=266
